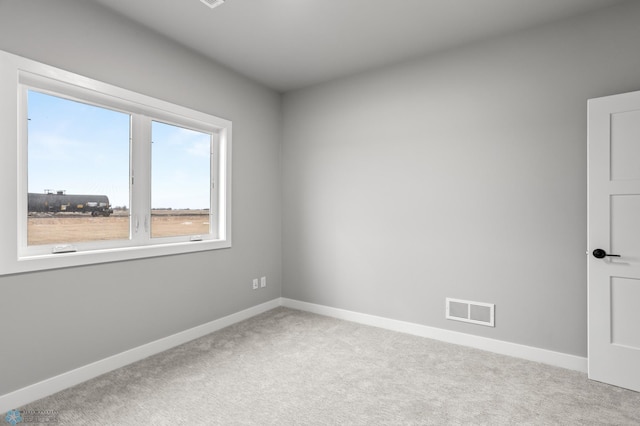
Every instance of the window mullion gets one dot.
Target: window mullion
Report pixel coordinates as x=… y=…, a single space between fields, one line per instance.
x=140 y=179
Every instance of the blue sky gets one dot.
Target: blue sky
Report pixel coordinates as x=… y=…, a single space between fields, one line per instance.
x=84 y=149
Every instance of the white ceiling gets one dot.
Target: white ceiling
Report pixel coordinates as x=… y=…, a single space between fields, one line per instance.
x=289 y=44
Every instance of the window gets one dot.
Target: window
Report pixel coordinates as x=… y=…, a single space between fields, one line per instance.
x=104 y=174
x=77 y=171
x=180 y=184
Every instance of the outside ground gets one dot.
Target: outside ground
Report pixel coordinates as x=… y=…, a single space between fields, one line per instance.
x=73 y=228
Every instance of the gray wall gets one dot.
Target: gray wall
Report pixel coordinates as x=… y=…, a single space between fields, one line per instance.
x=54 y=321
x=459 y=175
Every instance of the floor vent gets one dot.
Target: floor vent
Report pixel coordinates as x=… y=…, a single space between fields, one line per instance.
x=473 y=312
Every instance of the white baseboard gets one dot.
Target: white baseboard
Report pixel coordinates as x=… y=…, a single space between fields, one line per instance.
x=558 y=359
x=71 y=378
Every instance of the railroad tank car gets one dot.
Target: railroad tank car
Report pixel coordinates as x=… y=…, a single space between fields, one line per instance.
x=59 y=201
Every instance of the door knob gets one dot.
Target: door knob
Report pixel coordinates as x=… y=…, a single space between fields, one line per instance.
x=600 y=254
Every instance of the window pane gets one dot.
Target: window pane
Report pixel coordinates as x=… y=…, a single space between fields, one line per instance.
x=78 y=171
x=180 y=181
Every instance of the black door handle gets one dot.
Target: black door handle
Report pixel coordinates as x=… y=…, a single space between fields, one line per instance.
x=600 y=254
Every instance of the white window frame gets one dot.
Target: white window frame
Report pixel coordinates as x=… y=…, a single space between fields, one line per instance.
x=17 y=76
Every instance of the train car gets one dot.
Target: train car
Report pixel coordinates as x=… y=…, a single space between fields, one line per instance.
x=59 y=202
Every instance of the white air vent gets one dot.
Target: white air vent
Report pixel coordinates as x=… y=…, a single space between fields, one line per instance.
x=212 y=3
x=473 y=312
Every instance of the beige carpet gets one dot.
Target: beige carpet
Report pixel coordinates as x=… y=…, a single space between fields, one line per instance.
x=287 y=367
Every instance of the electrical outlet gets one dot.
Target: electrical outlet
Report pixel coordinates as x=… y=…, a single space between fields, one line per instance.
x=255 y=283
x=263 y=282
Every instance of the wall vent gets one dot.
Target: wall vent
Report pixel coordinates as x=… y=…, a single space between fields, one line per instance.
x=473 y=312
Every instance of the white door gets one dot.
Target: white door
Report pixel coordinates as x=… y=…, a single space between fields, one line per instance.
x=614 y=240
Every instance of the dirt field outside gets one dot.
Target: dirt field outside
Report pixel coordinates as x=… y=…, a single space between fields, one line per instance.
x=62 y=228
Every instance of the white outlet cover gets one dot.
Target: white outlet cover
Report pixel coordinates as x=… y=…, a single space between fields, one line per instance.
x=263 y=282
x=255 y=283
